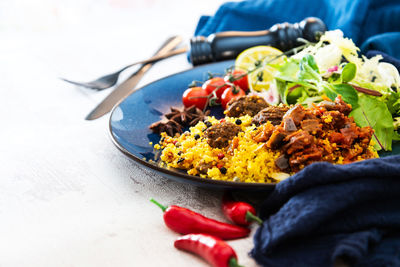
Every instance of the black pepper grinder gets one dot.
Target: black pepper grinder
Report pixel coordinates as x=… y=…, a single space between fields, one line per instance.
x=227 y=45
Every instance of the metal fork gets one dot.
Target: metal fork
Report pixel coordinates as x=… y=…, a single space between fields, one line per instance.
x=110 y=80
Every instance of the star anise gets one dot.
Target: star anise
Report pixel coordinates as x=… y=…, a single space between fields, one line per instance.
x=177 y=120
x=198 y=115
x=170 y=127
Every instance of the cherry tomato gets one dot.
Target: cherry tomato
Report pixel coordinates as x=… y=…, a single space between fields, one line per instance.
x=195 y=96
x=231 y=92
x=218 y=84
x=239 y=78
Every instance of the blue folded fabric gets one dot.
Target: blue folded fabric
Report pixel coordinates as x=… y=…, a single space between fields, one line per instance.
x=372 y=24
x=329 y=212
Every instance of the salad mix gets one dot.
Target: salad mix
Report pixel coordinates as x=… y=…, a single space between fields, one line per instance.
x=333 y=67
x=313 y=72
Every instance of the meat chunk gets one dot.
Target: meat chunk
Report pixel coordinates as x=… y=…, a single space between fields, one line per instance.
x=263 y=132
x=245 y=105
x=350 y=133
x=312 y=126
x=297 y=113
x=305 y=157
x=289 y=125
x=277 y=138
x=338 y=105
x=273 y=114
x=219 y=134
x=282 y=162
x=298 y=141
x=334 y=119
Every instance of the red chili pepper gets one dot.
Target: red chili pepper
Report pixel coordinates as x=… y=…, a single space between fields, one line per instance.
x=239 y=212
x=185 y=221
x=212 y=249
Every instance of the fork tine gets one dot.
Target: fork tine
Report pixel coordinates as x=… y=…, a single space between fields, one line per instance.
x=111 y=79
x=92 y=85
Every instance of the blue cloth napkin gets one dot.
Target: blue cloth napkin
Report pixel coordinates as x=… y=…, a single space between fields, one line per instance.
x=327 y=212
x=372 y=24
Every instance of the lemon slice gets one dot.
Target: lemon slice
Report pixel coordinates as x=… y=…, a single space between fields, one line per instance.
x=254 y=60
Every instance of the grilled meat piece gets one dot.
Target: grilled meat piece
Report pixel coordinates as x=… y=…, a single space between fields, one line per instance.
x=297 y=113
x=305 y=157
x=337 y=120
x=245 y=105
x=273 y=114
x=264 y=132
x=338 y=105
x=277 y=138
x=219 y=134
x=298 y=141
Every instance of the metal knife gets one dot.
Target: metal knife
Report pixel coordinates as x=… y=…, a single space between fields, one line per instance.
x=128 y=86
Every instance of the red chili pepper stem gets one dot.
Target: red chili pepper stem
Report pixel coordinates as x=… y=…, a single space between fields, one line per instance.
x=162 y=207
x=250 y=217
x=233 y=263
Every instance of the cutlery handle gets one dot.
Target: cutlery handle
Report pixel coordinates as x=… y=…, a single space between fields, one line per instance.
x=156 y=58
x=227 y=45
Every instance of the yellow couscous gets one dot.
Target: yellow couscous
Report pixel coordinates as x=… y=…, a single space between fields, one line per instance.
x=249 y=157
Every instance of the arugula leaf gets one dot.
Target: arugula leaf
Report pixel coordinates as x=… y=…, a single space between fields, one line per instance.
x=372 y=112
x=310 y=61
x=288 y=72
x=309 y=70
x=348 y=73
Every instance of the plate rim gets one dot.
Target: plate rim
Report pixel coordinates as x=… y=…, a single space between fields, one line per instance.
x=192 y=178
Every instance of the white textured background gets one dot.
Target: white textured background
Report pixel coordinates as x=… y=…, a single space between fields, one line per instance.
x=68 y=197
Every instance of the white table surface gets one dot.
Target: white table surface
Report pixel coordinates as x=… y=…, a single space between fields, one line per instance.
x=68 y=197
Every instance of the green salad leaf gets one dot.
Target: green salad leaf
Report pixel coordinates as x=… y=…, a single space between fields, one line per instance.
x=349 y=72
x=282 y=90
x=288 y=71
x=309 y=70
x=374 y=113
x=330 y=92
x=348 y=93
x=299 y=81
x=393 y=103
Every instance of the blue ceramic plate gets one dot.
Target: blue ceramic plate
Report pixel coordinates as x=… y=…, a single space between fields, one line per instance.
x=130 y=120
